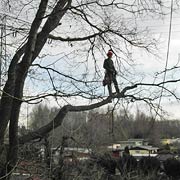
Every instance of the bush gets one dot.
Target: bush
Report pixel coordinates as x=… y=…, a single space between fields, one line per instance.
x=172 y=167
x=108 y=163
x=126 y=164
x=149 y=165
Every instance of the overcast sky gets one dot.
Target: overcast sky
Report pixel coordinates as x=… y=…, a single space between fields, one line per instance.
x=149 y=65
x=161 y=28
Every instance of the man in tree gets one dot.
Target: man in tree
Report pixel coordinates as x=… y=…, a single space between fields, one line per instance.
x=110 y=74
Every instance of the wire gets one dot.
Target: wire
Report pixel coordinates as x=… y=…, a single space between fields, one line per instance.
x=166 y=64
x=167 y=55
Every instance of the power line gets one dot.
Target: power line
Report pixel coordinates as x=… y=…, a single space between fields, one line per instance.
x=166 y=64
x=167 y=55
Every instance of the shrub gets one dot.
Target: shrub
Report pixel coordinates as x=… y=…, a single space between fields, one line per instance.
x=149 y=165
x=126 y=164
x=172 y=167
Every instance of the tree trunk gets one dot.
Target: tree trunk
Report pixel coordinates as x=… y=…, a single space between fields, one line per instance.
x=13 y=91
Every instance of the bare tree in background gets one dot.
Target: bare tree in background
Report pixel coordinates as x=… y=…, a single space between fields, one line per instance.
x=56 y=49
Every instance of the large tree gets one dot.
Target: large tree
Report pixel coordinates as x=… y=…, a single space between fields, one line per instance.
x=56 y=51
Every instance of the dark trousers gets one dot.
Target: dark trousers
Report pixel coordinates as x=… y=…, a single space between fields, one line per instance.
x=112 y=78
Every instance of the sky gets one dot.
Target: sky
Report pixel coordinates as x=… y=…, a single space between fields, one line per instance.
x=147 y=65
x=155 y=64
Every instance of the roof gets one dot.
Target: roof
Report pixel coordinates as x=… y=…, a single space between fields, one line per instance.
x=136 y=139
x=149 y=148
x=144 y=155
x=131 y=141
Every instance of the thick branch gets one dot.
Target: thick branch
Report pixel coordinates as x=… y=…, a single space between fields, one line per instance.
x=57 y=121
x=51 y=23
x=71 y=39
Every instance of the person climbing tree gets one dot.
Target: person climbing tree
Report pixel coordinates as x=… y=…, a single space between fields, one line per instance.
x=110 y=74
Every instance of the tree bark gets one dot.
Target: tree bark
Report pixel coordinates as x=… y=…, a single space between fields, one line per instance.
x=8 y=94
x=33 y=47
x=21 y=73
x=17 y=73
